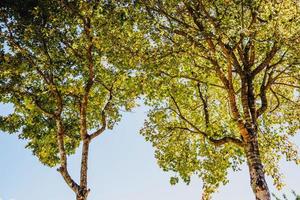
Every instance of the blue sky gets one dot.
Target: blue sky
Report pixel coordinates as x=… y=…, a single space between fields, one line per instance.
x=121 y=167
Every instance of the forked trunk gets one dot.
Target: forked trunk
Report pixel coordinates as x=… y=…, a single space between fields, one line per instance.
x=81 y=198
x=257 y=176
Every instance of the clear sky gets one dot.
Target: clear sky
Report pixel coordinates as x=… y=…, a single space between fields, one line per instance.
x=121 y=167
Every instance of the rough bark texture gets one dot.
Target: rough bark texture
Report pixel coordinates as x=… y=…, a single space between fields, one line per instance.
x=257 y=177
x=83 y=192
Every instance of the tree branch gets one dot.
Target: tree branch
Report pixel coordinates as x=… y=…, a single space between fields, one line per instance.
x=191 y=78
x=216 y=142
x=263 y=96
x=205 y=106
x=266 y=61
x=63 y=169
x=104 y=123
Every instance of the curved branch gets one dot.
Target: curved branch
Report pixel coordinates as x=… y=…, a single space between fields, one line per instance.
x=216 y=142
x=104 y=122
x=225 y=140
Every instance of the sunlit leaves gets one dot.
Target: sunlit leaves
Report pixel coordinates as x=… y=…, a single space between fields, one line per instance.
x=47 y=63
x=186 y=48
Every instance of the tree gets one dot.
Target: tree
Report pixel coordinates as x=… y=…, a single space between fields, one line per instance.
x=228 y=75
x=62 y=71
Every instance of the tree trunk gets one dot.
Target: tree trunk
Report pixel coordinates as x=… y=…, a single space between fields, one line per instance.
x=82 y=195
x=81 y=198
x=257 y=176
x=83 y=192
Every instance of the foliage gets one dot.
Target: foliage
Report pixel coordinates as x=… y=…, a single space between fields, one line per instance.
x=220 y=66
x=49 y=55
x=64 y=71
x=222 y=77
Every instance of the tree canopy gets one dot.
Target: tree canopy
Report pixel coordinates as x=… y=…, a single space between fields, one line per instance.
x=228 y=75
x=222 y=78
x=62 y=70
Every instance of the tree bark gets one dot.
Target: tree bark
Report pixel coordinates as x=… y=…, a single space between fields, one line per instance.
x=83 y=193
x=257 y=177
x=81 y=198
